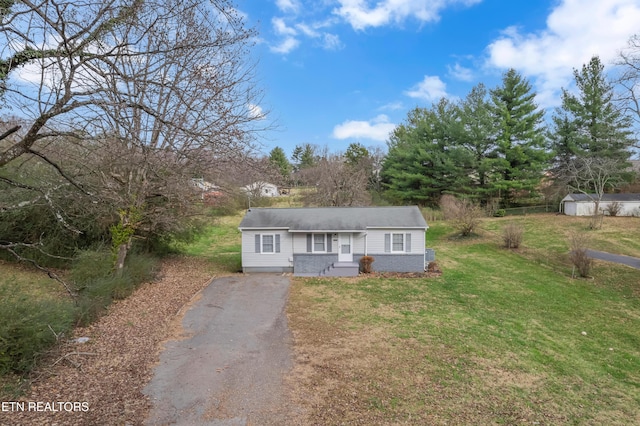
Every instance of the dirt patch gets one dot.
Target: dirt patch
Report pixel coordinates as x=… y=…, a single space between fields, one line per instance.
x=110 y=370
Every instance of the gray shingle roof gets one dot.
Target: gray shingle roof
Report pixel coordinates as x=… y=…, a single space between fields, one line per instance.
x=605 y=197
x=334 y=218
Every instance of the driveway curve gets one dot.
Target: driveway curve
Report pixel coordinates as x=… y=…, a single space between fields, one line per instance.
x=634 y=262
x=230 y=368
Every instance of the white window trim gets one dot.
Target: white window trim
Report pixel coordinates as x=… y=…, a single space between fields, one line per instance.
x=404 y=242
x=273 y=236
x=313 y=243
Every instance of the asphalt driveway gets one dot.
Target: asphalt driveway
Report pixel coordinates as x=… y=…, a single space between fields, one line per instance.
x=634 y=262
x=230 y=369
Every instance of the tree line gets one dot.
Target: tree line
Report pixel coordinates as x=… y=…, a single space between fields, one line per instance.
x=493 y=146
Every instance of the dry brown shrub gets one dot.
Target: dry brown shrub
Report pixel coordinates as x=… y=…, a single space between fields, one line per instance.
x=365 y=263
x=512 y=235
x=614 y=209
x=578 y=255
x=464 y=214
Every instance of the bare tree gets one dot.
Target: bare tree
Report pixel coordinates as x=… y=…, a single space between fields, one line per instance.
x=151 y=92
x=336 y=183
x=629 y=78
x=592 y=176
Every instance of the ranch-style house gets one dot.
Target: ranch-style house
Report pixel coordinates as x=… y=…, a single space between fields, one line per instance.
x=332 y=240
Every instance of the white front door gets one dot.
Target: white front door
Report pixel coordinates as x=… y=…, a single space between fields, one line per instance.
x=345 y=251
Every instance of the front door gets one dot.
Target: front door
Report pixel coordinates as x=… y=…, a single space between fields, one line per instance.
x=345 y=253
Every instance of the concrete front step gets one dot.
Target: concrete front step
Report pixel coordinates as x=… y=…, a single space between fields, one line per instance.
x=341 y=269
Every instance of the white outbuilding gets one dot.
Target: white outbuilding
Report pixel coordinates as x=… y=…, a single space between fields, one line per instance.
x=584 y=204
x=262 y=189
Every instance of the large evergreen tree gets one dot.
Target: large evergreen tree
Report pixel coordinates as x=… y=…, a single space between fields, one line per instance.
x=475 y=131
x=520 y=139
x=589 y=123
x=423 y=160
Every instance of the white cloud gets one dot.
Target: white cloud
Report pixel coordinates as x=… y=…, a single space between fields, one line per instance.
x=286 y=46
x=393 y=106
x=290 y=42
x=430 y=89
x=256 y=111
x=331 y=42
x=293 y=33
x=576 y=30
x=288 y=5
x=460 y=73
x=281 y=28
x=360 y=15
x=377 y=129
x=307 y=30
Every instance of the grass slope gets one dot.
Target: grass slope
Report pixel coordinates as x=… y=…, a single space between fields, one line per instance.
x=501 y=337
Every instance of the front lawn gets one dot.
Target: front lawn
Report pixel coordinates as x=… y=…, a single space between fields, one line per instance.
x=504 y=337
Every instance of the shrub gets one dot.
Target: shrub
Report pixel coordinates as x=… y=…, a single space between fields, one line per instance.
x=98 y=285
x=500 y=213
x=90 y=265
x=464 y=214
x=141 y=267
x=614 y=209
x=365 y=264
x=433 y=268
x=581 y=261
x=28 y=327
x=512 y=235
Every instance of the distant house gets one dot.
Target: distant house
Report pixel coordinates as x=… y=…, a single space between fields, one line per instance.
x=584 y=204
x=331 y=240
x=209 y=192
x=262 y=189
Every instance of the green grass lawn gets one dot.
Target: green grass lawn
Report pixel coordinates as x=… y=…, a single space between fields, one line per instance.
x=497 y=339
x=504 y=337
x=219 y=243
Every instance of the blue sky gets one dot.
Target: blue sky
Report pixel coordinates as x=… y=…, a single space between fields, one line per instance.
x=341 y=71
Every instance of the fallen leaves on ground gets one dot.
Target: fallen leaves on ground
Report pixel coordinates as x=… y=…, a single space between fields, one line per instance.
x=110 y=371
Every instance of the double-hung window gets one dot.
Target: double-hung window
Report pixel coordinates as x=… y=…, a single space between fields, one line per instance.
x=267 y=243
x=319 y=242
x=397 y=242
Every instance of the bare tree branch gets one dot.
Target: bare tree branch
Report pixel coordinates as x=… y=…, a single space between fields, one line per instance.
x=10 y=247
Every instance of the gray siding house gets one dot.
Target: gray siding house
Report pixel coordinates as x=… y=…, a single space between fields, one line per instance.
x=331 y=240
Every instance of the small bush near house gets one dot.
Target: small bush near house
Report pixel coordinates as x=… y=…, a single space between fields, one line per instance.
x=512 y=235
x=433 y=268
x=578 y=243
x=365 y=264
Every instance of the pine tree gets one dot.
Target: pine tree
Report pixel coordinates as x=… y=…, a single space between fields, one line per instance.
x=424 y=161
x=303 y=156
x=589 y=123
x=278 y=159
x=520 y=140
x=475 y=131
